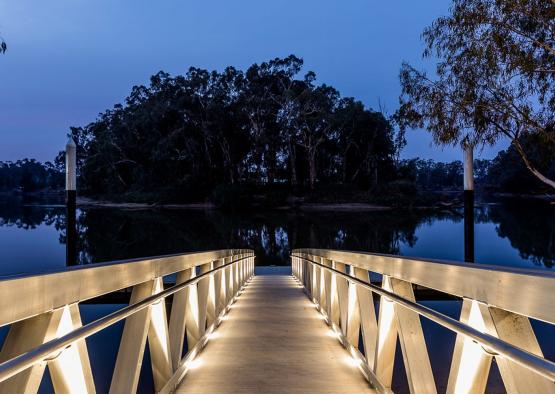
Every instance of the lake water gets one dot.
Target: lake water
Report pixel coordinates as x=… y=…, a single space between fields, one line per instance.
x=513 y=233
x=32 y=233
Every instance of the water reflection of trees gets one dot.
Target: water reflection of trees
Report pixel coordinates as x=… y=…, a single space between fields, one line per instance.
x=118 y=234
x=23 y=214
x=530 y=228
x=105 y=234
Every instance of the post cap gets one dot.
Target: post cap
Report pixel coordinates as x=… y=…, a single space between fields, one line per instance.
x=70 y=142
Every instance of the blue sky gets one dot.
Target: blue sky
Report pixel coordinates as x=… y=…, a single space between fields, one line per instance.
x=68 y=60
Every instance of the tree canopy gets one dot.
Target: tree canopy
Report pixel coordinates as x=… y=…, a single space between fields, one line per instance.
x=29 y=175
x=3 y=45
x=495 y=76
x=187 y=134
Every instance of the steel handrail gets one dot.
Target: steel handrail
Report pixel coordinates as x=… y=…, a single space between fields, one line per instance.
x=528 y=360
x=20 y=363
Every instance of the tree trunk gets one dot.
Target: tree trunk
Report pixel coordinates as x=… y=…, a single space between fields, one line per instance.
x=312 y=167
x=293 y=163
x=374 y=173
x=270 y=163
x=531 y=167
x=344 y=169
x=227 y=158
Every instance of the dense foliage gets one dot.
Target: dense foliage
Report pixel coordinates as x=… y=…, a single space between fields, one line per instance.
x=495 y=76
x=30 y=175
x=506 y=172
x=432 y=175
x=510 y=174
x=3 y=45
x=183 y=137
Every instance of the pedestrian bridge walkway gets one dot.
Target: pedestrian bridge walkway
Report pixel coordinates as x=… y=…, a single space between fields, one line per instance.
x=274 y=341
x=212 y=326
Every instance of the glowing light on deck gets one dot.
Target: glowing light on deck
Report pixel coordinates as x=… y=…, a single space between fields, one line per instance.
x=212 y=335
x=352 y=361
x=193 y=364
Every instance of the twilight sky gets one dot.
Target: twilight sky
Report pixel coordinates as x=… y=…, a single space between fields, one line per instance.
x=68 y=60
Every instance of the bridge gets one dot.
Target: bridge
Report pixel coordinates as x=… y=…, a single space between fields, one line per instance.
x=332 y=323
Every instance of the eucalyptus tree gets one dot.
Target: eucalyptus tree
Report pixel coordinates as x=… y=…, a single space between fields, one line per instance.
x=316 y=123
x=261 y=111
x=495 y=76
x=287 y=97
x=227 y=123
x=267 y=91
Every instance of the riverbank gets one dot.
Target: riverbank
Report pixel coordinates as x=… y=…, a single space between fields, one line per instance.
x=439 y=201
x=427 y=200
x=343 y=207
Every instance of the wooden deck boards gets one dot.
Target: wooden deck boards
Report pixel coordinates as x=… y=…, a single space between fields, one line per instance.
x=273 y=341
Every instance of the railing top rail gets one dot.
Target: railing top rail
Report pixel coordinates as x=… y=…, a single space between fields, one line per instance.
x=493 y=285
x=528 y=360
x=17 y=364
x=29 y=295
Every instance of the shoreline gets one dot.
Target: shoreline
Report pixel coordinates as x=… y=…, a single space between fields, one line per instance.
x=298 y=205
x=342 y=207
x=88 y=202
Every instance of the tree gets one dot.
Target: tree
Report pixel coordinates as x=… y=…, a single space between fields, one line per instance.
x=3 y=45
x=209 y=133
x=29 y=175
x=509 y=172
x=316 y=121
x=267 y=89
x=495 y=76
x=365 y=141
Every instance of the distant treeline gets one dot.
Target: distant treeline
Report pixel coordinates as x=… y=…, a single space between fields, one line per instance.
x=504 y=173
x=29 y=175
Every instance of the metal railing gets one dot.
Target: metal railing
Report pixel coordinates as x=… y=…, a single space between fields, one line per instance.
x=46 y=328
x=497 y=303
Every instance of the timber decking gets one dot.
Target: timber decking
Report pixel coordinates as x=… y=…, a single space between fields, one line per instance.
x=273 y=341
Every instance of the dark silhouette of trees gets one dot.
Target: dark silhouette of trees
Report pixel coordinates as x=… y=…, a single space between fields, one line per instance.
x=495 y=76
x=510 y=174
x=3 y=45
x=504 y=173
x=527 y=230
x=29 y=175
x=182 y=137
x=432 y=175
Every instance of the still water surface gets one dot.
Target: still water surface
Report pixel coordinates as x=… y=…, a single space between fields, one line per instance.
x=32 y=233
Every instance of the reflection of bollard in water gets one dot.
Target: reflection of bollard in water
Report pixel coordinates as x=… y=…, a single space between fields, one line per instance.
x=71 y=197
x=468 y=205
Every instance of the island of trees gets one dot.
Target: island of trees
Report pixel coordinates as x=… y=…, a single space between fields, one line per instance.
x=268 y=135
